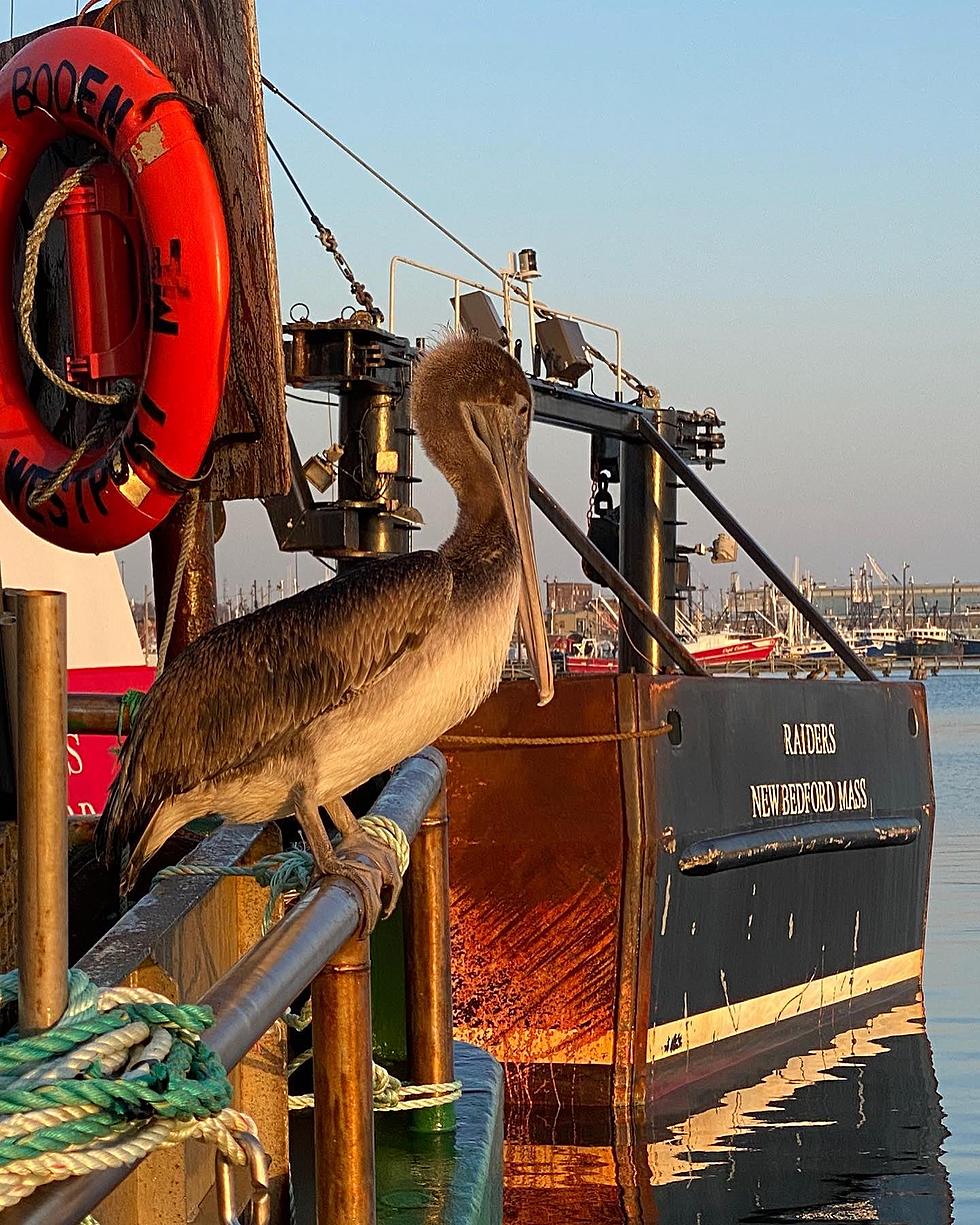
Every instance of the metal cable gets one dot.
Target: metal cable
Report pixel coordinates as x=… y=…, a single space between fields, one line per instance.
x=380 y=177
x=329 y=242
x=631 y=380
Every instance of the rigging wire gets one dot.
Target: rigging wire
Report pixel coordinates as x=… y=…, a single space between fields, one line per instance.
x=329 y=242
x=380 y=177
x=631 y=380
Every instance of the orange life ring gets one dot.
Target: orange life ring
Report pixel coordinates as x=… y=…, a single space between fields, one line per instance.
x=87 y=82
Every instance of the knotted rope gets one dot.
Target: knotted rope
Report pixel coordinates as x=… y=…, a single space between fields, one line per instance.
x=122 y=1074
x=290 y=872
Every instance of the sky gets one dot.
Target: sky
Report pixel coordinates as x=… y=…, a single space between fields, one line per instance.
x=777 y=203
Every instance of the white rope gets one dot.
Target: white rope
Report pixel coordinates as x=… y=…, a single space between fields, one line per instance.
x=19 y=1178
x=132 y=1046
x=391 y=834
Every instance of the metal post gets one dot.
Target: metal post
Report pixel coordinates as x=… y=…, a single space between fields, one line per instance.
x=428 y=970
x=626 y=594
x=376 y=421
x=196 y=604
x=42 y=826
x=695 y=485
x=647 y=537
x=343 y=1117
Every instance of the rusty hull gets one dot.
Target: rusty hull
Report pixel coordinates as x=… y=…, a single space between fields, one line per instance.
x=595 y=963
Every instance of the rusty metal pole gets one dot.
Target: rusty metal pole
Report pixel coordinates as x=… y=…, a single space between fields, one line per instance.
x=42 y=825
x=428 y=972
x=343 y=1117
x=196 y=608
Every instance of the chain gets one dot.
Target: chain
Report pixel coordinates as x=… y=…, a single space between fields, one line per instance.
x=357 y=288
x=329 y=242
x=631 y=380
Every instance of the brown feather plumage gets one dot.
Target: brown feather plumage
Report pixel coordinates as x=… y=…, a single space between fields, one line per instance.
x=293 y=661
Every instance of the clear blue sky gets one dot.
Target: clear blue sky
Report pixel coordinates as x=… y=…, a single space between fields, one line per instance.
x=778 y=203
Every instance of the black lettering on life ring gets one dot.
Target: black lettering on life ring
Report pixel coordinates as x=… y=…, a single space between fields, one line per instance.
x=98 y=481
x=21 y=94
x=65 y=73
x=152 y=409
x=62 y=91
x=46 y=103
x=79 y=487
x=114 y=111
x=162 y=310
x=85 y=94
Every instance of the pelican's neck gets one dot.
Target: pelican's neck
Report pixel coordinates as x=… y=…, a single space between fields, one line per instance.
x=483 y=538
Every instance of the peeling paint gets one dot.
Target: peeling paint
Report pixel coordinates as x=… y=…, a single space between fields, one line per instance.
x=663 y=921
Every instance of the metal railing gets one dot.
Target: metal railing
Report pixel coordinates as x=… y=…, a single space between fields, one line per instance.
x=525 y=297
x=318 y=942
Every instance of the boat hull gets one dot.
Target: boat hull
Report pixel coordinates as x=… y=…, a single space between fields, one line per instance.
x=653 y=911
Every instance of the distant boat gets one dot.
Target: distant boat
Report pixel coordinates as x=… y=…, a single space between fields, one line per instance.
x=712 y=650
x=930 y=641
x=876 y=642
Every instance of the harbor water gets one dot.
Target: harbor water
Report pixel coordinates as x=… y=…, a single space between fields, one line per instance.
x=876 y=1122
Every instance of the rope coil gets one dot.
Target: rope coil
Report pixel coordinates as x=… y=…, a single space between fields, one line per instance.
x=122 y=1074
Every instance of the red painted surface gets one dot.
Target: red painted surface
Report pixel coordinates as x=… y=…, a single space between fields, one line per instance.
x=91 y=760
x=747 y=651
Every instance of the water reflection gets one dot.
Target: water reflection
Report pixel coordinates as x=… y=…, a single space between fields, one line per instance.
x=848 y=1131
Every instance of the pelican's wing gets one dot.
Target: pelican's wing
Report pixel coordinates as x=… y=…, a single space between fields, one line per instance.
x=249 y=685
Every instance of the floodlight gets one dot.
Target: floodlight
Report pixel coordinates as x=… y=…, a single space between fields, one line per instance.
x=563 y=349
x=478 y=316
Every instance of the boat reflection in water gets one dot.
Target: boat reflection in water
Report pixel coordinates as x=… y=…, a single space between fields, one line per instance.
x=851 y=1130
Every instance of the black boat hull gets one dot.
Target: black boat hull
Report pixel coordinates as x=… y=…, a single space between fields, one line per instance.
x=664 y=905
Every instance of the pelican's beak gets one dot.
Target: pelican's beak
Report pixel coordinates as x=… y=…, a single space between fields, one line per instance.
x=512 y=471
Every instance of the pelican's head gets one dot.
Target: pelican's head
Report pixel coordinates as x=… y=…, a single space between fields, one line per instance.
x=472 y=406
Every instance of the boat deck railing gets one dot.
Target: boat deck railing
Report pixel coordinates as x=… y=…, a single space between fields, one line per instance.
x=318 y=943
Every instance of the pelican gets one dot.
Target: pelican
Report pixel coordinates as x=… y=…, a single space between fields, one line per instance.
x=290 y=708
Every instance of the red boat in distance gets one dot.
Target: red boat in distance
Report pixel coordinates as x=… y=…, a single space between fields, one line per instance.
x=712 y=650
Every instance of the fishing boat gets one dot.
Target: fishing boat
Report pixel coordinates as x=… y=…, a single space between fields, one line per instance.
x=631 y=893
x=929 y=641
x=711 y=650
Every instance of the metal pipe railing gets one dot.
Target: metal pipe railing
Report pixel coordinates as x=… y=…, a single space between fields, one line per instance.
x=42 y=831
x=97 y=714
x=649 y=433
x=627 y=595
x=428 y=966
x=258 y=988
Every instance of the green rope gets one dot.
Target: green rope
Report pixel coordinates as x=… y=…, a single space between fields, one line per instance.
x=291 y=872
x=129 y=704
x=188 y=1083
x=284 y=872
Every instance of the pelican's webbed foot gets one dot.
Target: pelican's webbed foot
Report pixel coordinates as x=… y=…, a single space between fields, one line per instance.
x=359 y=858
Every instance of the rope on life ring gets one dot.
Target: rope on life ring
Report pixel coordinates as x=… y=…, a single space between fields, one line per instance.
x=124 y=478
